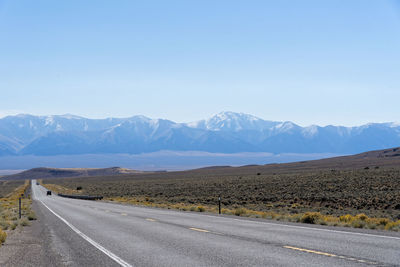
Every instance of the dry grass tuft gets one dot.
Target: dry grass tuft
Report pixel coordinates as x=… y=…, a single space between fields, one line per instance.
x=240 y=211
x=24 y=222
x=311 y=217
x=200 y=209
x=3 y=236
x=32 y=216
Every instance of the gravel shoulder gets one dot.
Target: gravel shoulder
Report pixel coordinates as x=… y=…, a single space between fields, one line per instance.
x=29 y=246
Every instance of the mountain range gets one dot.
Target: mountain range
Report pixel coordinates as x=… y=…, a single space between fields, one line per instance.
x=226 y=132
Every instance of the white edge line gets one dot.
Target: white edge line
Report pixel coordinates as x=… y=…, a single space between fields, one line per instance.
x=91 y=241
x=304 y=227
x=324 y=230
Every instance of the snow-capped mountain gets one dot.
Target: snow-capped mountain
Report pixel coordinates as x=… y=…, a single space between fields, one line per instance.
x=233 y=122
x=226 y=132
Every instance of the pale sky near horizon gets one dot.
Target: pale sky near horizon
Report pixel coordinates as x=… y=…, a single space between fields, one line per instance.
x=310 y=62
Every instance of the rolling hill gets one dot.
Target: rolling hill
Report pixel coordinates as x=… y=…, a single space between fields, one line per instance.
x=42 y=173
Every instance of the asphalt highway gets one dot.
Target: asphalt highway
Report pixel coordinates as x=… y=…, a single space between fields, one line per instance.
x=95 y=233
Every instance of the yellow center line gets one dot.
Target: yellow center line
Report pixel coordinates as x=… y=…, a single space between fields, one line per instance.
x=124 y=214
x=199 y=230
x=150 y=220
x=328 y=254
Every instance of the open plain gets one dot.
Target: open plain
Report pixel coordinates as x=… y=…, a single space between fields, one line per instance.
x=367 y=184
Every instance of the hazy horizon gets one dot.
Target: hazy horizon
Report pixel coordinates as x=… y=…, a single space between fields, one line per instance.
x=155 y=161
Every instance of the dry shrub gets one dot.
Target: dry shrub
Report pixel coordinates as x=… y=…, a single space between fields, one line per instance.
x=24 y=222
x=4 y=225
x=13 y=225
x=201 y=209
x=346 y=218
x=383 y=221
x=3 y=236
x=358 y=223
x=311 y=217
x=240 y=212
x=32 y=216
x=362 y=217
x=226 y=211
x=393 y=226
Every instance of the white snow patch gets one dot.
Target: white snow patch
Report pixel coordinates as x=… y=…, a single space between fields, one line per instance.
x=395 y=124
x=310 y=131
x=70 y=117
x=49 y=120
x=284 y=126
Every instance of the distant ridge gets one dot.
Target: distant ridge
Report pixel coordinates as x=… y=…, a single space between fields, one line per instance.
x=387 y=158
x=39 y=173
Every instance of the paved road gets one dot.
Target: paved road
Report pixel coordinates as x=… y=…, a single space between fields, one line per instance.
x=93 y=233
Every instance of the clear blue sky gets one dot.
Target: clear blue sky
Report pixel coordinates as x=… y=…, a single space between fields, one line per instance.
x=311 y=62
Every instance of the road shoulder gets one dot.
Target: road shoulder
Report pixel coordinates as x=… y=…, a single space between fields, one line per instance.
x=29 y=246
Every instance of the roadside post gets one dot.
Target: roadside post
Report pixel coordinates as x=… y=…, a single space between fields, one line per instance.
x=219 y=205
x=20 y=207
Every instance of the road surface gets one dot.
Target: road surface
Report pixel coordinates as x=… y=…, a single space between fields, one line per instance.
x=94 y=233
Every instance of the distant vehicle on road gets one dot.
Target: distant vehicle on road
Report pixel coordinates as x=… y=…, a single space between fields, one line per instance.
x=49 y=193
x=37 y=183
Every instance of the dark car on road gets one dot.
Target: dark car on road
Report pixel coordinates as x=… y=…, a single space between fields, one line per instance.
x=49 y=193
